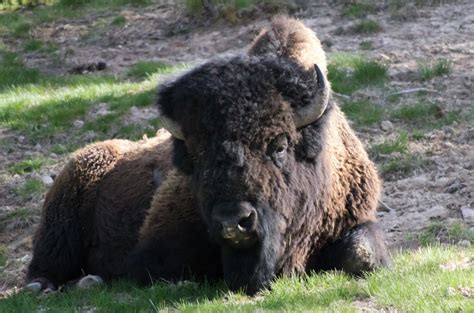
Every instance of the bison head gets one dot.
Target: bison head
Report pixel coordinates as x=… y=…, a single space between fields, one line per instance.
x=237 y=126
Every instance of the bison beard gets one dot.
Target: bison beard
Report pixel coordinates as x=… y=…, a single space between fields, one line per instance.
x=254 y=268
x=263 y=177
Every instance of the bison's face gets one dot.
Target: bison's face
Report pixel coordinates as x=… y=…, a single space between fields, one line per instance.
x=236 y=122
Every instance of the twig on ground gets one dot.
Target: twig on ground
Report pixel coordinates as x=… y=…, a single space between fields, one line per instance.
x=402 y=92
x=341 y=95
x=383 y=207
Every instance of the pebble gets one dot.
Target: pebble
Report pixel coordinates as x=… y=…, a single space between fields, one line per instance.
x=89 y=281
x=464 y=243
x=34 y=287
x=47 y=180
x=386 y=126
x=471 y=231
x=467 y=213
x=78 y=123
x=454 y=187
x=90 y=136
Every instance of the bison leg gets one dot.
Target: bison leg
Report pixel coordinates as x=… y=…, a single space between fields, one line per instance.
x=360 y=250
x=57 y=252
x=185 y=254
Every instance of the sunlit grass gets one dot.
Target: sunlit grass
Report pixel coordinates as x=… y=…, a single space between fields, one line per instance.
x=426 y=280
x=51 y=105
x=349 y=72
x=143 y=69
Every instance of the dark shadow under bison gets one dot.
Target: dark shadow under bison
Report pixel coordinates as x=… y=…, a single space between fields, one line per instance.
x=262 y=177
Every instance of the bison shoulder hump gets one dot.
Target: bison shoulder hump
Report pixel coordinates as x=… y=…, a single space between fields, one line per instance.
x=94 y=161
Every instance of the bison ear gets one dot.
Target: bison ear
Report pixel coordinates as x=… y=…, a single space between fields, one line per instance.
x=167 y=103
x=318 y=96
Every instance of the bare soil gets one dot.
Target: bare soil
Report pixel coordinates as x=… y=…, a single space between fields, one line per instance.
x=436 y=192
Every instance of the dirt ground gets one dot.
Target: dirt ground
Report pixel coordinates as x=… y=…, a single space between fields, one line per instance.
x=439 y=192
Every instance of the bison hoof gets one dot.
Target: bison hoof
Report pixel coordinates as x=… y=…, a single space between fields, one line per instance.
x=40 y=284
x=89 y=281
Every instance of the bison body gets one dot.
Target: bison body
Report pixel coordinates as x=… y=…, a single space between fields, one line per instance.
x=267 y=178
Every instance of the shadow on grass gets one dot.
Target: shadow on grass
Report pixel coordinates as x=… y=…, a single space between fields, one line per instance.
x=120 y=296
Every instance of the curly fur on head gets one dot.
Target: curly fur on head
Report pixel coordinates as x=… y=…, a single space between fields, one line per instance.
x=289 y=38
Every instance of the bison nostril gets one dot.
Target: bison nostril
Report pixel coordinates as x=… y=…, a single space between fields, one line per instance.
x=246 y=224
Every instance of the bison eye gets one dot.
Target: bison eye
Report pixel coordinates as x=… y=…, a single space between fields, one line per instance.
x=277 y=150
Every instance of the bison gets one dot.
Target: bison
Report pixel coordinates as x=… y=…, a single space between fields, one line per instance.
x=262 y=177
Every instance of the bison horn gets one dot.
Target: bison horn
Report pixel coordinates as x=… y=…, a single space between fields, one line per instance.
x=308 y=114
x=171 y=126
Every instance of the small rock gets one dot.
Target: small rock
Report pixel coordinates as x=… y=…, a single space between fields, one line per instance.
x=467 y=213
x=471 y=231
x=38 y=147
x=89 y=281
x=90 y=136
x=466 y=137
x=48 y=291
x=34 y=287
x=467 y=81
x=464 y=243
x=386 y=126
x=47 y=180
x=21 y=139
x=78 y=123
x=103 y=112
x=454 y=187
x=451 y=291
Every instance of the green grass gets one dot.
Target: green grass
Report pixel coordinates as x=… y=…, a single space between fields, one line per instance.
x=63 y=148
x=349 y=72
x=3 y=257
x=17 y=24
x=402 y=165
x=358 y=9
x=394 y=158
x=20 y=213
x=366 y=26
x=119 y=21
x=102 y=3
x=418 y=282
x=13 y=72
x=30 y=188
x=48 y=108
x=195 y=7
x=425 y=115
x=32 y=45
x=399 y=144
x=363 y=113
x=27 y=166
x=16 y=4
x=429 y=70
x=143 y=69
x=441 y=232
x=366 y=45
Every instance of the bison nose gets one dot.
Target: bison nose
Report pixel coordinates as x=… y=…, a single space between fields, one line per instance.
x=236 y=221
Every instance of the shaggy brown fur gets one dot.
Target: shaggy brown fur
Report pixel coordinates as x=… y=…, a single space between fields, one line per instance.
x=311 y=190
x=92 y=213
